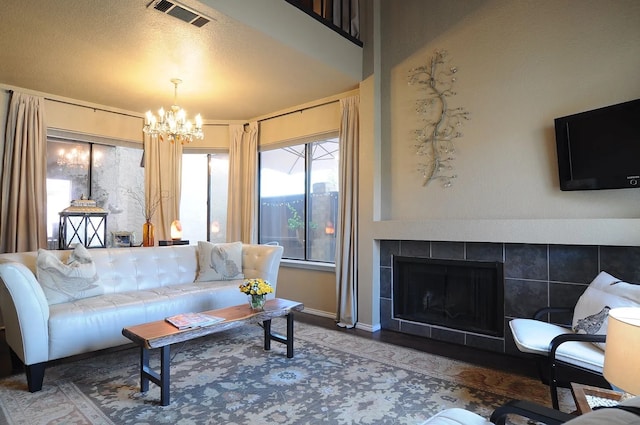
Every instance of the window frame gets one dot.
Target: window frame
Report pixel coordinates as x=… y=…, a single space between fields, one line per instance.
x=308 y=142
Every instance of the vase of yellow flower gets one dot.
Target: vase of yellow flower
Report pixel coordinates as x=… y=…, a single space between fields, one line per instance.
x=257 y=289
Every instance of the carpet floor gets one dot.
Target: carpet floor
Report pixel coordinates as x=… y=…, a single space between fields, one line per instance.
x=227 y=378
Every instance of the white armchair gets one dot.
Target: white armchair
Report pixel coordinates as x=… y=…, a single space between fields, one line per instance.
x=626 y=413
x=581 y=345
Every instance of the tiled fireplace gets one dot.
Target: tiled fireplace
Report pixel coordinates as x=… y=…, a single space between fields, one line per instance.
x=535 y=275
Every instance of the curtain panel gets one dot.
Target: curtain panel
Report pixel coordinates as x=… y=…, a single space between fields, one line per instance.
x=347 y=226
x=162 y=183
x=242 y=211
x=24 y=176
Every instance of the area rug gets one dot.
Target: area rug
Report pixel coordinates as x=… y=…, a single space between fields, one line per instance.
x=335 y=377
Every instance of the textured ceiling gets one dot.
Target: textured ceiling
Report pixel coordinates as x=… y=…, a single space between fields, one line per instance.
x=123 y=54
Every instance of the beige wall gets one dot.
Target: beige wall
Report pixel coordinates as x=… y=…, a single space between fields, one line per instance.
x=315 y=288
x=520 y=65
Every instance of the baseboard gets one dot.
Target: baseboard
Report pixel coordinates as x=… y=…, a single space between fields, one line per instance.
x=319 y=313
x=367 y=327
x=362 y=326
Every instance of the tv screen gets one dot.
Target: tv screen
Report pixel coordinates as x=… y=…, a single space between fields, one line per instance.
x=600 y=149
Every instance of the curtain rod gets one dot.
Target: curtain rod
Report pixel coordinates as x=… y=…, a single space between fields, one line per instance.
x=140 y=117
x=299 y=110
x=94 y=108
x=119 y=113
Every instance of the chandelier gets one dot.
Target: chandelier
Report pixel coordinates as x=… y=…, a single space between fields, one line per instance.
x=173 y=124
x=78 y=157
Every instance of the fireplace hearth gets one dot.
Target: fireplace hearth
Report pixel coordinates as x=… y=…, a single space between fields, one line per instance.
x=456 y=294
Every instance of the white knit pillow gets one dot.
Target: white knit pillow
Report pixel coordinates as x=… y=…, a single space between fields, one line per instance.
x=220 y=261
x=72 y=280
x=591 y=313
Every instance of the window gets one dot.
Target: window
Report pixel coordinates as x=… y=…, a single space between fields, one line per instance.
x=110 y=175
x=203 y=202
x=299 y=199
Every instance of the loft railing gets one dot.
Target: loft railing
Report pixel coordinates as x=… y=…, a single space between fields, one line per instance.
x=341 y=16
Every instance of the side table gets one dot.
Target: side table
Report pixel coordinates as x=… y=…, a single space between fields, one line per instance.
x=587 y=397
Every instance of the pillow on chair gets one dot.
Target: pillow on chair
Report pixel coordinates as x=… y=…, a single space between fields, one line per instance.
x=605 y=292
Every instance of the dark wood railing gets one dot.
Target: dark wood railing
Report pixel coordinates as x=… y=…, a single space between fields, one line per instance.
x=341 y=16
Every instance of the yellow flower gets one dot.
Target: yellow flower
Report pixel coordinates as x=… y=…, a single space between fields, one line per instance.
x=256 y=287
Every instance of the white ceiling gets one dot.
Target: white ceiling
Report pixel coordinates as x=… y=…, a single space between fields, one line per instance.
x=123 y=54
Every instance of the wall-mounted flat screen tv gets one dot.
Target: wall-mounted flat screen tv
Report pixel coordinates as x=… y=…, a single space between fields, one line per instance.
x=600 y=149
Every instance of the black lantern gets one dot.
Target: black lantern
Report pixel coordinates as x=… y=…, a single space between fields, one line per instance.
x=83 y=222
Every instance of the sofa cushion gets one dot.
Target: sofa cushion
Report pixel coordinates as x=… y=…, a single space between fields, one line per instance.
x=220 y=261
x=605 y=292
x=74 y=279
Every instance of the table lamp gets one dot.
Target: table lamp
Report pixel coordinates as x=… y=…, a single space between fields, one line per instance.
x=176 y=230
x=621 y=367
x=176 y=235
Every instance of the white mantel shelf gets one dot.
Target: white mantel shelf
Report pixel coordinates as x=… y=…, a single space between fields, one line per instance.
x=617 y=232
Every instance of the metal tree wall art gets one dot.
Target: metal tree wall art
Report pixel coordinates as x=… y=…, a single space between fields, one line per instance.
x=441 y=125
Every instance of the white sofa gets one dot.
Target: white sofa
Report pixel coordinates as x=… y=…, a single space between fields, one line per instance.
x=138 y=285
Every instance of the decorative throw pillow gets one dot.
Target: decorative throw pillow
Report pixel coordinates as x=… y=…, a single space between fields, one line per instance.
x=605 y=292
x=220 y=261
x=64 y=282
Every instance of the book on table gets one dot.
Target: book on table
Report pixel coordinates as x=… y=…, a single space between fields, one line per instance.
x=193 y=320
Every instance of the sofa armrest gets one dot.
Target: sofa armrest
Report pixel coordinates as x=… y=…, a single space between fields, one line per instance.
x=262 y=261
x=25 y=312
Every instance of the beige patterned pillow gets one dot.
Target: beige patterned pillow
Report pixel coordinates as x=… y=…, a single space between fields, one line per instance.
x=591 y=313
x=64 y=282
x=220 y=261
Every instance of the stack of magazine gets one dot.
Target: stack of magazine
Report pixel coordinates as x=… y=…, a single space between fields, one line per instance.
x=193 y=320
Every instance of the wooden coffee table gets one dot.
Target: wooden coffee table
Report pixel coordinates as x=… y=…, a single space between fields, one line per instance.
x=583 y=394
x=160 y=334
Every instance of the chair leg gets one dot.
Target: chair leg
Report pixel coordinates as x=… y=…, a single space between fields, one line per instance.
x=553 y=384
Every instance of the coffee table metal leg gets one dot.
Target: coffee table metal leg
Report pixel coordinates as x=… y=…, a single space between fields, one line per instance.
x=290 y=335
x=162 y=379
x=165 y=374
x=266 y=325
x=144 y=370
x=288 y=340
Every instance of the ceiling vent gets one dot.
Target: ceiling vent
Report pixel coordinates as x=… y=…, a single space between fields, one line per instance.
x=180 y=12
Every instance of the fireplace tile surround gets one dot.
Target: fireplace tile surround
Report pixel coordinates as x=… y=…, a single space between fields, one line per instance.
x=535 y=276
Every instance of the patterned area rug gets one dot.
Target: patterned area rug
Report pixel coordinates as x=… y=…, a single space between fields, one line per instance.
x=227 y=378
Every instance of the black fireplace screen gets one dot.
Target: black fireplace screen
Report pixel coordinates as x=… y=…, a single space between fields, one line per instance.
x=457 y=294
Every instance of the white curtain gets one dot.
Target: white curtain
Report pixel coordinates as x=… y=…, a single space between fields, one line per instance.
x=24 y=176
x=242 y=211
x=347 y=226
x=162 y=183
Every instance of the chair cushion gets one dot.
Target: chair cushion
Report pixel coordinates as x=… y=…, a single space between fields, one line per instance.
x=605 y=292
x=456 y=416
x=534 y=336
